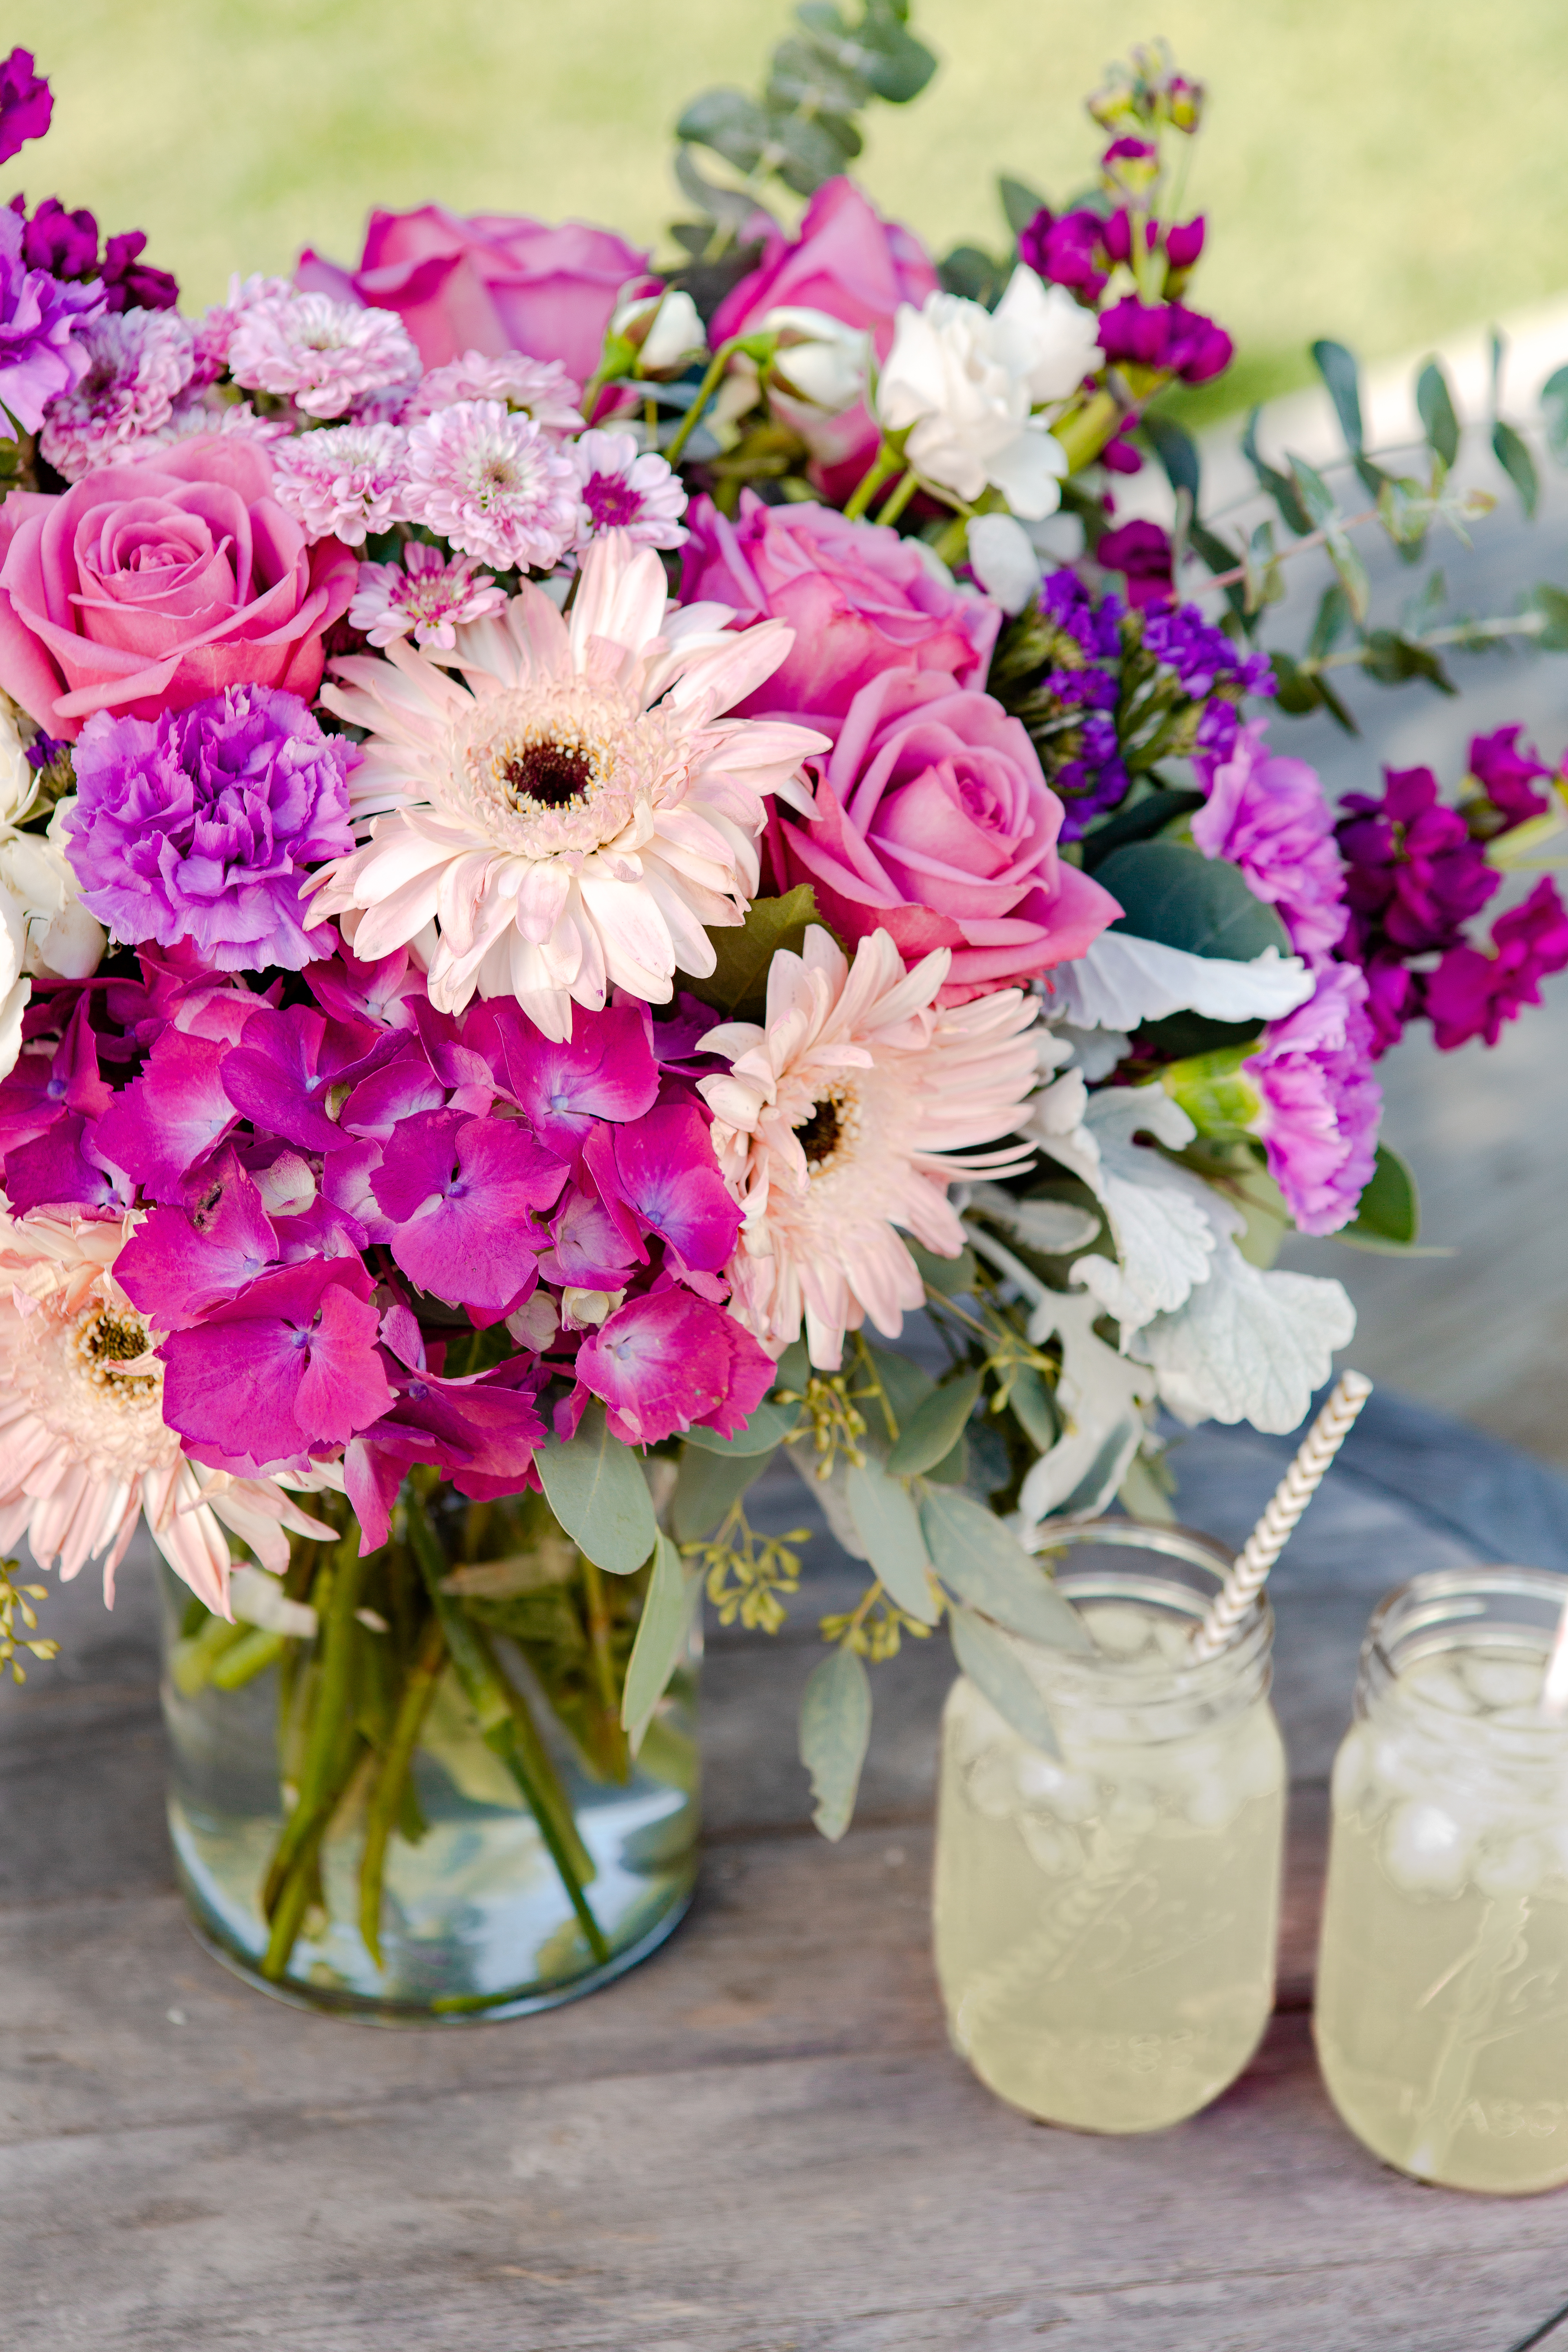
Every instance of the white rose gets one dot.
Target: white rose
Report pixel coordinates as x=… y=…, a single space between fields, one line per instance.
x=675 y=331
x=819 y=357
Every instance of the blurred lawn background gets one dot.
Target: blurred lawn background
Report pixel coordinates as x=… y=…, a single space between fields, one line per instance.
x=1380 y=170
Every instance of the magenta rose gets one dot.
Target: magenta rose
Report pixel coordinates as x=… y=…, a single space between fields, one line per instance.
x=148 y=587
x=493 y=283
x=860 y=599
x=935 y=823
x=848 y=261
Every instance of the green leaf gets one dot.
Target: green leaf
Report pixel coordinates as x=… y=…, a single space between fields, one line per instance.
x=596 y=1489
x=929 y=1437
x=1552 y=604
x=1346 y=560
x=738 y=984
x=950 y=1278
x=1334 y=618
x=662 y=1630
x=1389 y=1211
x=769 y=1426
x=1555 y=413
x=1034 y=1409
x=1391 y=658
x=1019 y=202
x=794 y=1368
x=904 y=1384
x=1439 y=420
x=888 y=1525
x=1316 y=496
x=987 y=1658
x=968 y=271
x=1177 y=895
x=834 y=1732
x=1279 y=487
x=815 y=148
x=805 y=73
x=707 y=1488
x=896 y=65
x=1178 y=454
x=1512 y=454
x=1337 y=369
x=975 y=1554
x=730 y=122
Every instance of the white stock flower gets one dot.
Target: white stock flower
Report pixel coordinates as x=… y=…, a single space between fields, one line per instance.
x=963 y=381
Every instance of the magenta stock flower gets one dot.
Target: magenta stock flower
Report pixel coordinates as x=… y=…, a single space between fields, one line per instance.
x=426 y=597
x=1322 y=1105
x=66 y=245
x=1415 y=873
x=667 y=1361
x=1165 y=337
x=1268 y=815
x=26 y=103
x=1143 y=554
x=1472 y=994
x=1506 y=773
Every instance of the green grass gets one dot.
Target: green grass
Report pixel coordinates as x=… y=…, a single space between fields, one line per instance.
x=1383 y=171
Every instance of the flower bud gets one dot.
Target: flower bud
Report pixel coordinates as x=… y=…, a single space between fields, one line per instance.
x=662 y=332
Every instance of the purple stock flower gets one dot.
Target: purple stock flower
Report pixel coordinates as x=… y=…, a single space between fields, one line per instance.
x=668 y=1360
x=1506 y=773
x=1268 y=815
x=42 y=349
x=1321 y=1105
x=1142 y=552
x=66 y=245
x=1165 y=337
x=202 y=825
x=459 y=1193
x=1471 y=993
x=25 y=104
x=1414 y=872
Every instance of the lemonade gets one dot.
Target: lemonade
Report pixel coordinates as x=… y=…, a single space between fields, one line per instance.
x=1442 y=2005
x=1106 y=1922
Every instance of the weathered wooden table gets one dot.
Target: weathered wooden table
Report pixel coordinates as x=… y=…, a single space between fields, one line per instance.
x=760 y=2140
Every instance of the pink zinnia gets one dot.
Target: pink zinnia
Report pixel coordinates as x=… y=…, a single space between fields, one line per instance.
x=492 y=484
x=540 y=389
x=623 y=487
x=424 y=597
x=139 y=363
x=323 y=355
x=345 y=482
x=84 y=1449
x=838 y=1121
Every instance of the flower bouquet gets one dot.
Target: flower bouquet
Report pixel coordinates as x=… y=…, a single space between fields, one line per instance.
x=578 y=839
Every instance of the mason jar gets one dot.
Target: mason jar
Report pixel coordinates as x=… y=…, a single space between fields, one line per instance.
x=1442 y=2002
x=1106 y=1917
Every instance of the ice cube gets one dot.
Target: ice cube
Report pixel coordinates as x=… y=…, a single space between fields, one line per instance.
x=1119 y=1628
x=1214 y=1802
x=1505 y=1682
x=1512 y=1866
x=1057 y=1851
x=1439 y=1685
x=1071 y=1796
x=1425 y=1850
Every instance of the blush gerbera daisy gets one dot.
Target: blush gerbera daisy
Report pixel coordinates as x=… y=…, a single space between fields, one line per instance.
x=840 y=1119
x=493 y=484
x=84 y=1450
x=575 y=811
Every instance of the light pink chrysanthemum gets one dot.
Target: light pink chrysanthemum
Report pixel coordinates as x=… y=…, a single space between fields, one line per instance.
x=140 y=362
x=540 y=389
x=623 y=487
x=323 y=355
x=84 y=1451
x=493 y=484
x=839 y=1119
x=215 y=329
x=198 y=413
x=574 y=814
x=343 y=482
x=424 y=596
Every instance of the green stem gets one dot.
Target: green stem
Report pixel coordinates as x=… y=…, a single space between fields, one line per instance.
x=245 y=1659
x=330 y=1725
x=299 y=1879
x=705 y=390
x=887 y=462
x=418 y=1691
x=900 y=497
x=612 y=1738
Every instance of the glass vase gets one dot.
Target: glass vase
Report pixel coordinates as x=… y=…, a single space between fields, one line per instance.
x=406 y=1795
x=1106 y=1917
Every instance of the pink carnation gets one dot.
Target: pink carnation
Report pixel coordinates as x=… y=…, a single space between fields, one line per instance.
x=1269 y=816
x=345 y=482
x=1322 y=1105
x=493 y=484
x=425 y=597
x=139 y=363
x=625 y=488
x=323 y=355
x=540 y=389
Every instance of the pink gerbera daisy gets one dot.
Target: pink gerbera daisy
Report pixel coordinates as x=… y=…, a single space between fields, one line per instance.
x=624 y=488
x=323 y=355
x=576 y=811
x=344 y=482
x=139 y=363
x=540 y=389
x=424 y=597
x=84 y=1450
x=838 y=1120
x=492 y=484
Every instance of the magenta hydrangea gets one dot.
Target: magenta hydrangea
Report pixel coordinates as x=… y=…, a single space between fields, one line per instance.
x=202 y=825
x=1321 y=1104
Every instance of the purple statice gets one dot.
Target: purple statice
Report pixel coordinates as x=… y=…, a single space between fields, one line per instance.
x=202 y=826
x=1081 y=755
x=66 y=245
x=1321 y=1104
x=1507 y=772
x=1269 y=816
x=1166 y=338
x=43 y=329
x=1472 y=994
x=26 y=103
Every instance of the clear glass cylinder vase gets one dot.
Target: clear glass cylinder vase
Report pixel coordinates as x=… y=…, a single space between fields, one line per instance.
x=1441 y=2017
x=1106 y=1917
x=406 y=1807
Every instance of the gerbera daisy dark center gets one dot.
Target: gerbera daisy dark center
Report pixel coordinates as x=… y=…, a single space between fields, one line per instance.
x=819 y=1134
x=550 y=775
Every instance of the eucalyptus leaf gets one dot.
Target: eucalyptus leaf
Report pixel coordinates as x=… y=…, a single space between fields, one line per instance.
x=1178 y=454
x=1352 y=575
x=1391 y=659
x=1337 y=369
x=834 y=1732
x=936 y=1427
x=1279 y=487
x=708 y=1486
x=1512 y=454
x=1434 y=404
x=1555 y=413
x=738 y=984
x=1314 y=493
x=805 y=73
x=1034 y=1409
x=1181 y=898
x=896 y=65
x=1389 y=1210
x=596 y=1489
x=794 y=1368
x=1551 y=603
x=769 y=1426
x=904 y=1384
x=1020 y=202
x=1332 y=619
x=987 y=1658
x=662 y=1630
x=950 y=1277
x=730 y=122
x=888 y=1525
x=975 y=1553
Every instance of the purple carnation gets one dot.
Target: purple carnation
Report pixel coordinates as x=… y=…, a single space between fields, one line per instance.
x=43 y=349
x=26 y=103
x=1268 y=815
x=202 y=825
x=1321 y=1105
x=1471 y=993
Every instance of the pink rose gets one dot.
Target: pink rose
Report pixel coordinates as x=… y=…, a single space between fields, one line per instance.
x=860 y=599
x=935 y=823
x=493 y=283
x=147 y=587
x=849 y=262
